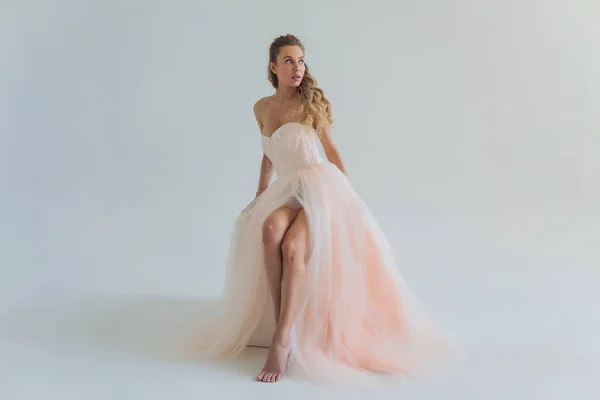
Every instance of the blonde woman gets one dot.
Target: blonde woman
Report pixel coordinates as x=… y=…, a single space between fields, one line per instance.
x=308 y=245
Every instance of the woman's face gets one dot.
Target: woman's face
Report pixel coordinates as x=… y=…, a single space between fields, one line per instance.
x=289 y=66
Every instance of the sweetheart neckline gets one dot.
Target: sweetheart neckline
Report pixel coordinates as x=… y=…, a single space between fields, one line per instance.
x=278 y=129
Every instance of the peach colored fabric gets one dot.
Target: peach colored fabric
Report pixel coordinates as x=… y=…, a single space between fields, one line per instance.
x=358 y=317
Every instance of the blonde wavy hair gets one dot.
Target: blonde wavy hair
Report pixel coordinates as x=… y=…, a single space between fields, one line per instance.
x=316 y=107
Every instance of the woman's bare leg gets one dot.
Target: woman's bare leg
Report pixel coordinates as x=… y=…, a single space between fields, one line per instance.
x=294 y=249
x=274 y=229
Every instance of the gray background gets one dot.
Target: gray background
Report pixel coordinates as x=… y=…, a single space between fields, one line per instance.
x=470 y=129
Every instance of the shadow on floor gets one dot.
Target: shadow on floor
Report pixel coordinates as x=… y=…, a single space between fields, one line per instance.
x=140 y=328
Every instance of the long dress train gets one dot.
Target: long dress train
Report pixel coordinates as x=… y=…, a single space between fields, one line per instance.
x=357 y=316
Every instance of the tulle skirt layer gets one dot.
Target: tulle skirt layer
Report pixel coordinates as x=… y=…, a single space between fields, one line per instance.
x=357 y=318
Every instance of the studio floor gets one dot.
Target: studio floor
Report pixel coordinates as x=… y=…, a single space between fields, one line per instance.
x=108 y=349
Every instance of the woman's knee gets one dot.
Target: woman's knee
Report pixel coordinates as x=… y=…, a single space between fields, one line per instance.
x=273 y=231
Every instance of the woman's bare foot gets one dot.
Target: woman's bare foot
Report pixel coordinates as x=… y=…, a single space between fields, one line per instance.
x=276 y=362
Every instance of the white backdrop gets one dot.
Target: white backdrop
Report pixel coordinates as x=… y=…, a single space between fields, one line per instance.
x=470 y=128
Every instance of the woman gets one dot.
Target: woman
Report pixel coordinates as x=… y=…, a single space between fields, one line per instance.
x=307 y=241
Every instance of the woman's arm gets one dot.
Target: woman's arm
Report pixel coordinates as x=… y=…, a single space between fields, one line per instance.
x=331 y=150
x=266 y=166
x=266 y=173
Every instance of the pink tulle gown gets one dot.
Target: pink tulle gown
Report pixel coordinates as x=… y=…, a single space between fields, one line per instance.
x=357 y=318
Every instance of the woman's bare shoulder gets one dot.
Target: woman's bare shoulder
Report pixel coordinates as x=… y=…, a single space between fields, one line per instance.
x=260 y=107
x=263 y=103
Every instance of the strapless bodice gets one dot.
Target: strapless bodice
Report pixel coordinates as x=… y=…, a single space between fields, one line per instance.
x=291 y=148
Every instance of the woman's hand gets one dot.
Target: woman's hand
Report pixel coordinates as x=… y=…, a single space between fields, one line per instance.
x=249 y=206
